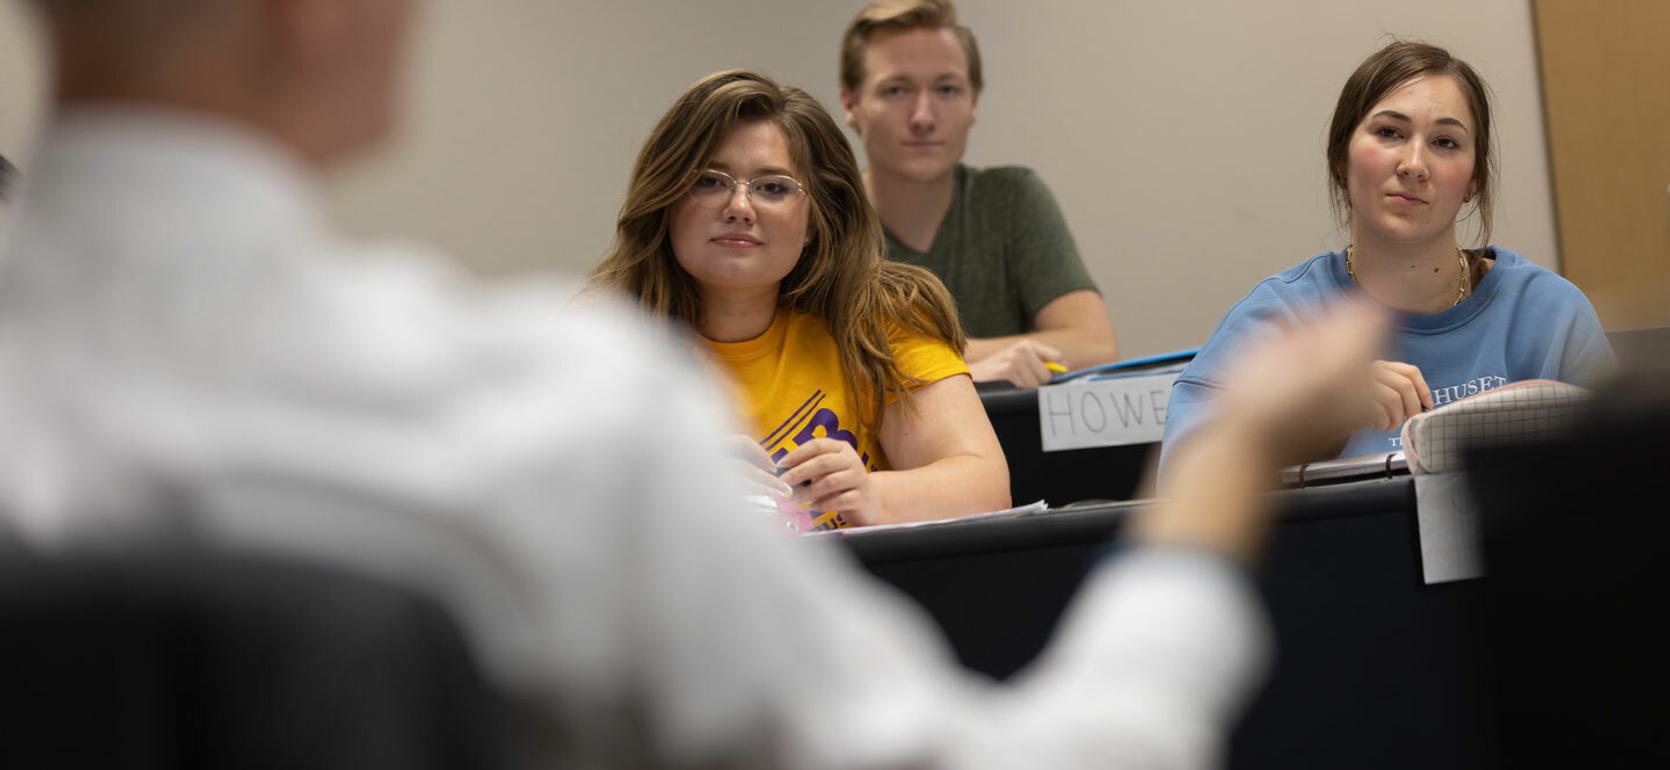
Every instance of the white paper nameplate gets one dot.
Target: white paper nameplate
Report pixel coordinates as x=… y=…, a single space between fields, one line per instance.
x=1112 y=412
x=1449 y=527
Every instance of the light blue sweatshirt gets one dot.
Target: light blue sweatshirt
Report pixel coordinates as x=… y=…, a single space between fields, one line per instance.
x=1522 y=322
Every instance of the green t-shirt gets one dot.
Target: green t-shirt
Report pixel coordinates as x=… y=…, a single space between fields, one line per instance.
x=1003 y=250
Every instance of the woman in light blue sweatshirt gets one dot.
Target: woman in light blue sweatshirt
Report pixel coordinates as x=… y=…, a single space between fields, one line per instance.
x=1410 y=148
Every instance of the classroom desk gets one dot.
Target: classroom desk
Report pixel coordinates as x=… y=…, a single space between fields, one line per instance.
x=1372 y=665
x=1113 y=473
x=1100 y=473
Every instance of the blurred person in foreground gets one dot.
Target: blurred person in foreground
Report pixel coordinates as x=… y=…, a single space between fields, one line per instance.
x=8 y=180
x=183 y=340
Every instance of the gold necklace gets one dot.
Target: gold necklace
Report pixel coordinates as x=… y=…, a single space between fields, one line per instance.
x=1460 y=258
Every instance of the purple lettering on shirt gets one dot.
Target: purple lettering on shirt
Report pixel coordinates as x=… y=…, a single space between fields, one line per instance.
x=831 y=425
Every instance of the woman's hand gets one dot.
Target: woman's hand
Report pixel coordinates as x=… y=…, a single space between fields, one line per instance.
x=755 y=467
x=828 y=475
x=1400 y=392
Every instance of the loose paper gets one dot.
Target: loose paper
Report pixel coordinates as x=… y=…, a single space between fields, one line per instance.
x=1007 y=513
x=1449 y=528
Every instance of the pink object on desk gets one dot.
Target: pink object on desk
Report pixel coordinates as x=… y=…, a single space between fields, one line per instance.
x=796 y=519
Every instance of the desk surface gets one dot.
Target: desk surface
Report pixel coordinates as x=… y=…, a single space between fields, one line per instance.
x=1113 y=473
x=1097 y=524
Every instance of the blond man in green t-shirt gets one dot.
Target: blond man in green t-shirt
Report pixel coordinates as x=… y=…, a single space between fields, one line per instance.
x=910 y=78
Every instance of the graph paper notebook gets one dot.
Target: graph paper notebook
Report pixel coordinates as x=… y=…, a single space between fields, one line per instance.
x=1437 y=441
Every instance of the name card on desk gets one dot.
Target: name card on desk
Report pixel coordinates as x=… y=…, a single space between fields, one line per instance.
x=1110 y=412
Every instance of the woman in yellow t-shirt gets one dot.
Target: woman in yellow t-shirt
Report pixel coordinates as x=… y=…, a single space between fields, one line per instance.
x=747 y=220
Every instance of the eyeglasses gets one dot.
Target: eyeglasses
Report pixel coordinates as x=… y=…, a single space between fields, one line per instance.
x=774 y=191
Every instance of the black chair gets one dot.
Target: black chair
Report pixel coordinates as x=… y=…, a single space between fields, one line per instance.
x=182 y=658
x=1573 y=652
x=1645 y=350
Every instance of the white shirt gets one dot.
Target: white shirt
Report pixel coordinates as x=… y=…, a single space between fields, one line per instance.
x=184 y=342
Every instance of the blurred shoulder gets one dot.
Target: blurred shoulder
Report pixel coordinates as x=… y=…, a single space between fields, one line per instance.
x=409 y=348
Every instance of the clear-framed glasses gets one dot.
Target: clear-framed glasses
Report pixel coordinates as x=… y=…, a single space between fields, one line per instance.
x=773 y=191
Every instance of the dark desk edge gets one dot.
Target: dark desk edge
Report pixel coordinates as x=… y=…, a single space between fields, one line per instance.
x=1094 y=523
x=1007 y=401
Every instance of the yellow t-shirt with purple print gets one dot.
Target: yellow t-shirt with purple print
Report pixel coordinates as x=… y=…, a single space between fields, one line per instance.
x=790 y=388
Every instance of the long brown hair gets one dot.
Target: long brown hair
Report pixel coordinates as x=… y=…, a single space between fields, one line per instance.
x=841 y=276
x=1380 y=74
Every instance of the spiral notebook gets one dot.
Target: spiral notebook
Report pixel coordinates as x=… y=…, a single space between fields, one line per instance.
x=1438 y=441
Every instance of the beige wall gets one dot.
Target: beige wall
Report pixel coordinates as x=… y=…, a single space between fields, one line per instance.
x=1183 y=139
x=22 y=86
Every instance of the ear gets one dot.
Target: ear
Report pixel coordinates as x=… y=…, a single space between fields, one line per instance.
x=849 y=103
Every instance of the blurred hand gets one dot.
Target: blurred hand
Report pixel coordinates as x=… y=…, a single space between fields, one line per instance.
x=828 y=475
x=1022 y=363
x=1400 y=392
x=1306 y=389
x=755 y=467
x=1287 y=398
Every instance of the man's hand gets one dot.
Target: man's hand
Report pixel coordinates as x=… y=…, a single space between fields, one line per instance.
x=1310 y=387
x=1025 y=363
x=1285 y=398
